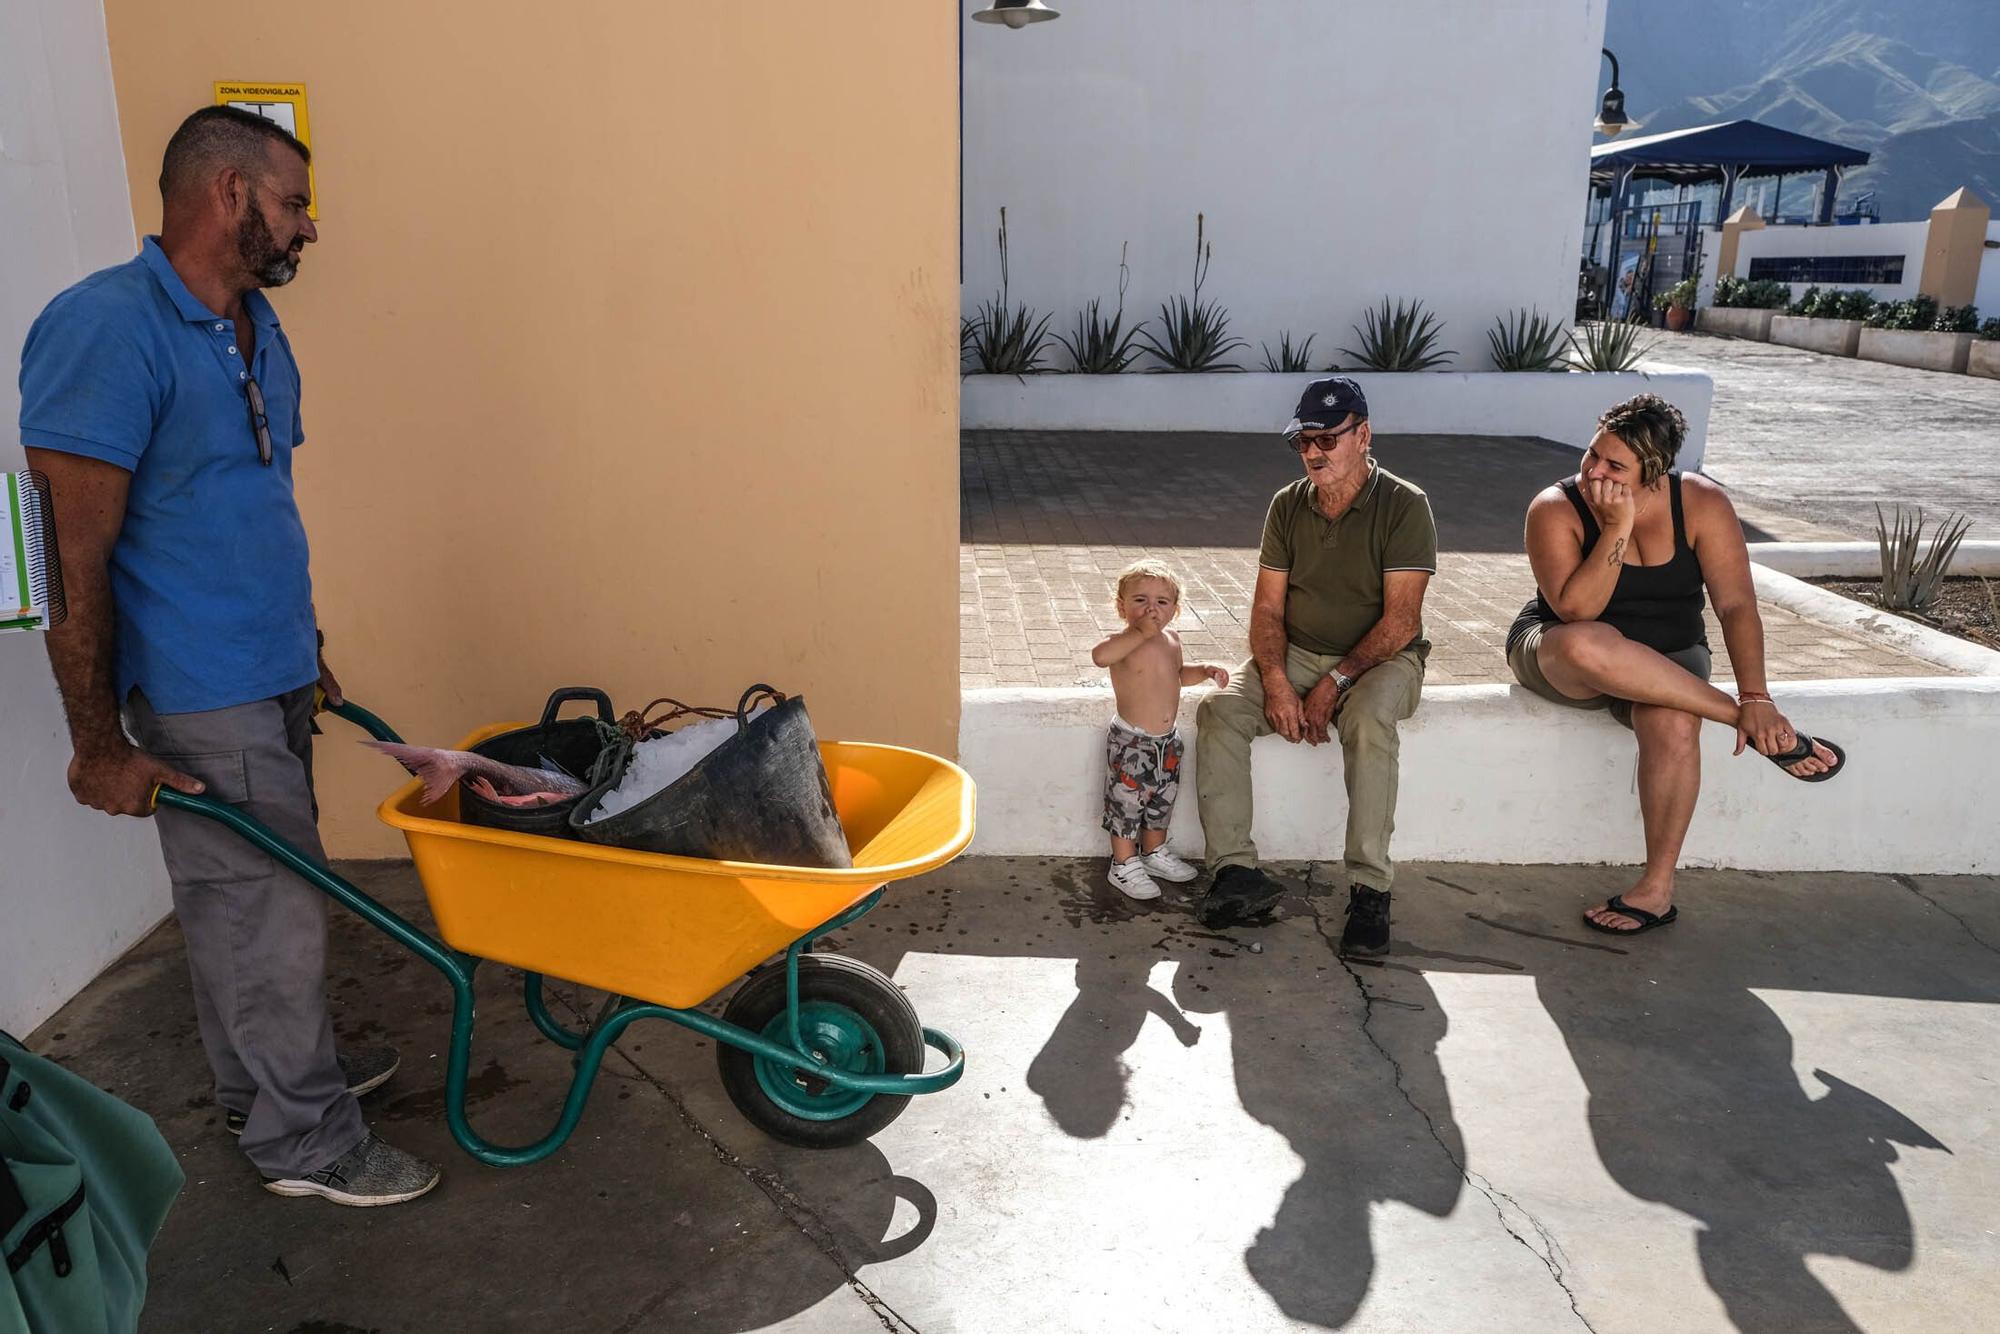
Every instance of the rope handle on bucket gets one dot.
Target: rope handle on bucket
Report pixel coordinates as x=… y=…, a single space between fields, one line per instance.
x=638 y=724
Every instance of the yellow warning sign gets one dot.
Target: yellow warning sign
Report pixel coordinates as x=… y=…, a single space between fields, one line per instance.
x=283 y=104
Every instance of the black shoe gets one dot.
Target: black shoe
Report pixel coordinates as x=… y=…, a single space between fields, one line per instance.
x=1238 y=894
x=1367 y=929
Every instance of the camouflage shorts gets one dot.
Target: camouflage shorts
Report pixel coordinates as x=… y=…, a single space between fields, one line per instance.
x=1143 y=775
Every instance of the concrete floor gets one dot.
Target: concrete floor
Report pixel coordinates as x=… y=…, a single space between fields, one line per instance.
x=1816 y=440
x=1777 y=1115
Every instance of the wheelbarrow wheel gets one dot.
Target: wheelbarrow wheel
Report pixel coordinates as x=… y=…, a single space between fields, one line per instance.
x=853 y=1016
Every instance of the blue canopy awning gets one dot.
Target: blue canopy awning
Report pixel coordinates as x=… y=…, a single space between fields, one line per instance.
x=1733 y=151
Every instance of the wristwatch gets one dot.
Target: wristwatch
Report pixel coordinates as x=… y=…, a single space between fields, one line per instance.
x=1341 y=683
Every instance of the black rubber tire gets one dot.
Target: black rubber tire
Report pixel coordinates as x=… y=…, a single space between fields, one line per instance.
x=828 y=979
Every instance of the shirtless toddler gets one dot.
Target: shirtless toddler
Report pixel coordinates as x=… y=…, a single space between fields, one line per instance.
x=1143 y=748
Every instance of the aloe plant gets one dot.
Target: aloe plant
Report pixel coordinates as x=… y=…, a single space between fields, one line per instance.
x=1195 y=335
x=1005 y=339
x=1527 y=341
x=1289 y=360
x=1910 y=582
x=1399 y=337
x=1602 y=346
x=1101 y=346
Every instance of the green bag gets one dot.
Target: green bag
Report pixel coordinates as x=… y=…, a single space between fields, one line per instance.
x=85 y=1182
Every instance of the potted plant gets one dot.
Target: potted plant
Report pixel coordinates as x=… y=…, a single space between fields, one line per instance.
x=1676 y=304
x=1824 y=321
x=1745 y=308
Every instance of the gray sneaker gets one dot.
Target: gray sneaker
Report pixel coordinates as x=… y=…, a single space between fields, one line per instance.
x=371 y=1173
x=366 y=1069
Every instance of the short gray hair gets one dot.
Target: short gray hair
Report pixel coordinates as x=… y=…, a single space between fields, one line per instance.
x=222 y=136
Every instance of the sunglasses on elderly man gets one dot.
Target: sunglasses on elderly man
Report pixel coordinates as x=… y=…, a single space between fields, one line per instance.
x=1325 y=441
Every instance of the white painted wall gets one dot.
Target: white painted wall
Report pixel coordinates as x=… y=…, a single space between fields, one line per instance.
x=1987 y=295
x=1429 y=149
x=76 y=888
x=1562 y=407
x=1889 y=238
x=1493 y=774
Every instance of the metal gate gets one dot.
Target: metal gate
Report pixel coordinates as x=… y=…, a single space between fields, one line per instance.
x=1652 y=247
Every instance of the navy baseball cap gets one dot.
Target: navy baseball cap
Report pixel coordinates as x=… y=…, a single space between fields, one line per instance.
x=1325 y=404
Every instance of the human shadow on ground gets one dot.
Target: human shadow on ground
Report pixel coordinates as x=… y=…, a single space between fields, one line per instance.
x=1695 y=1104
x=1306 y=1064
x=1694 y=1100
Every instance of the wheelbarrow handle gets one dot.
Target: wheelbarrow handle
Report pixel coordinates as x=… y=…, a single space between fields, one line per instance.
x=355 y=714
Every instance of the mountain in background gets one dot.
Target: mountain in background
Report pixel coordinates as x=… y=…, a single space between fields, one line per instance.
x=1916 y=84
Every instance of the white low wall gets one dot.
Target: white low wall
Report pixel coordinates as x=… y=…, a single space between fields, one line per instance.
x=1923 y=349
x=1861 y=560
x=1559 y=406
x=1836 y=338
x=1493 y=774
x=1736 y=322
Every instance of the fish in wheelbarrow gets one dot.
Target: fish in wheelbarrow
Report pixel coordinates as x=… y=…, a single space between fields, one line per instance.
x=507 y=784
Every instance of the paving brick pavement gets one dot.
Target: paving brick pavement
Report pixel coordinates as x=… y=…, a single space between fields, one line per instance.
x=1049 y=517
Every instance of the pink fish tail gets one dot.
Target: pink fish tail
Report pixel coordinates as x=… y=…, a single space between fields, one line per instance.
x=439 y=769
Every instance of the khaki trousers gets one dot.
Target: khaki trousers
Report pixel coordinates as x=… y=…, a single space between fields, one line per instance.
x=1229 y=720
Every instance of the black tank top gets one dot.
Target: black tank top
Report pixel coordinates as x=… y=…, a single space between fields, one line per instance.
x=1655 y=605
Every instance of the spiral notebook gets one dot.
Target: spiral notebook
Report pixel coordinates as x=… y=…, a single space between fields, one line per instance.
x=31 y=592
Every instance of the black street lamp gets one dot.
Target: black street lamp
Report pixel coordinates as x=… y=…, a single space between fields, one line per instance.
x=1611 y=118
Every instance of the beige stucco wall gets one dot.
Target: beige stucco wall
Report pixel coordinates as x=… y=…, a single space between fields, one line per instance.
x=628 y=351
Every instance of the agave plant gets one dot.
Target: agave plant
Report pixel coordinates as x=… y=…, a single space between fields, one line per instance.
x=1399 y=338
x=1910 y=583
x=1005 y=339
x=1289 y=360
x=1195 y=335
x=1101 y=346
x=1527 y=341
x=1602 y=346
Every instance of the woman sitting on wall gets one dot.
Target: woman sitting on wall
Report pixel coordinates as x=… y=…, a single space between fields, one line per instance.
x=1621 y=554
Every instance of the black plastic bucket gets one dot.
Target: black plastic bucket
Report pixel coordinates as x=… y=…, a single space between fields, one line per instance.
x=761 y=796
x=573 y=743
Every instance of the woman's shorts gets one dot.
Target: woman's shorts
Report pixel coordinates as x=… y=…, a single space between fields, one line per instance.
x=1528 y=671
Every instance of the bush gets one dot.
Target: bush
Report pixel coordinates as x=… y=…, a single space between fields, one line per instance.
x=1607 y=347
x=1527 y=341
x=1912 y=581
x=1990 y=330
x=1290 y=358
x=1763 y=294
x=1854 y=305
x=1005 y=339
x=1807 y=303
x=1680 y=294
x=1196 y=336
x=1101 y=346
x=1919 y=312
x=1957 y=319
x=1399 y=338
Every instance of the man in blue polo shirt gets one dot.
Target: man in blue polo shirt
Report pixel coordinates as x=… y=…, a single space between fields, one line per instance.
x=162 y=400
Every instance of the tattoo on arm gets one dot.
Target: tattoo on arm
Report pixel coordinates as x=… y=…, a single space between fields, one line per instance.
x=1616 y=554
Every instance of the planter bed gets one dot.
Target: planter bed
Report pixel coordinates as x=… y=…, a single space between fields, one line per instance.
x=1962 y=609
x=1835 y=338
x=1562 y=406
x=1926 y=351
x=1736 y=322
x=1984 y=359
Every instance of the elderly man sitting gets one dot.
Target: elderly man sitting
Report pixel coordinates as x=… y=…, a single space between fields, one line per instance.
x=1337 y=646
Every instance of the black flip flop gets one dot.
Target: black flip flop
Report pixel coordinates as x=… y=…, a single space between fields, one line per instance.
x=1647 y=921
x=1802 y=749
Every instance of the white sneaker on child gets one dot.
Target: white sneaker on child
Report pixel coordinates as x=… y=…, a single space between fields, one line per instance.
x=1131 y=880
x=1166 y=866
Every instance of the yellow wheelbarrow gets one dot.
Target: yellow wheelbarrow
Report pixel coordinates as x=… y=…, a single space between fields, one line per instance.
x=816 y=1050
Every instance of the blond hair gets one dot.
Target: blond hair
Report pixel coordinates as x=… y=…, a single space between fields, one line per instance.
x=1148 y=569
x=1651 y=428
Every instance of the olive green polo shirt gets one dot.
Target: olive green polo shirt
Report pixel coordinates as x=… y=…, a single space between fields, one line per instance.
x=1333 y=597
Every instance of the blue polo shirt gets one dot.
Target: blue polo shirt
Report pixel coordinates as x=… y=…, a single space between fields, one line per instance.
x=210 y=570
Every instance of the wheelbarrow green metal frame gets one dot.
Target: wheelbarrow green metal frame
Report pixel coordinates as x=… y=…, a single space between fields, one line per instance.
x=617 y=1014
